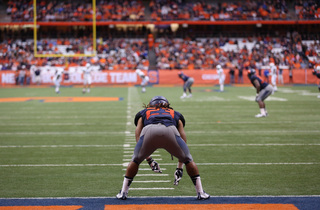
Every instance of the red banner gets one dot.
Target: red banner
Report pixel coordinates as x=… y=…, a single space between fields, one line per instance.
x=161 y=77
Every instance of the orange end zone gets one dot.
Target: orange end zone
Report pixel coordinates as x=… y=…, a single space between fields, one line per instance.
x=61 y=99
x=203 y=206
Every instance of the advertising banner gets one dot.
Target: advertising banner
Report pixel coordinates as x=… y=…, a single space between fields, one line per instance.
x=156 y=77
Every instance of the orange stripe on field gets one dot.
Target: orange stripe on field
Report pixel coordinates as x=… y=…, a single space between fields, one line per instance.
x=60 y=99
x=203 y=206
x=40 y=207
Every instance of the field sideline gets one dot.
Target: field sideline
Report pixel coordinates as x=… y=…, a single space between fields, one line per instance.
x=70 y=145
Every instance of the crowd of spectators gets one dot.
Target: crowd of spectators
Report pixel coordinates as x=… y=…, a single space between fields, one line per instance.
x=113 y=54
x=171 y=53
x=160 y=10
x=222 y=10
x=68 y=10
x=286 y=51
x=307 y=10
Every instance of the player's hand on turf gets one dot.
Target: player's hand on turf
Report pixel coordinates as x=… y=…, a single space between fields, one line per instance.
x=177 y=176
x=154 y=166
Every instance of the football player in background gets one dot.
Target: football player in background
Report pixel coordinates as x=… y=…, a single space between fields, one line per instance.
x=159 y=126
x=273 y=73
x=87 y=78
x=57 y=78
x=316 y=72
x=221 y=77
x=144 y=80
x=187 y=83
x=263 y=90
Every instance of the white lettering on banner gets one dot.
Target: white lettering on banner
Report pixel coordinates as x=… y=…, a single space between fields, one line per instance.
x=80 y=69
x=8 y=78
x=100 y=77
x=210 y=76
x=121 y=77
x=46 y=78
x=75 y=78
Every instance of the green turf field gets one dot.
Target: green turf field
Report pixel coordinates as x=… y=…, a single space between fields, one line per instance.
x=79 y=149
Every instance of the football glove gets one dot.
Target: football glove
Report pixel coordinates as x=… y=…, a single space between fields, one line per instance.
x=177 y=176
x=154 y=166
x=257 y=95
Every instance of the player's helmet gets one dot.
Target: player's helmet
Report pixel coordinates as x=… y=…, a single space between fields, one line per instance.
x=159 y=100
x=251 y=71
x=218 y=66
x=88 y=65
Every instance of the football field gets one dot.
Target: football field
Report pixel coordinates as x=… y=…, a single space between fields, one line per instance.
x=78 y=145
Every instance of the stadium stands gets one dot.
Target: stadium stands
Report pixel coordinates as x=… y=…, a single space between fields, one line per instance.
x=159 y=10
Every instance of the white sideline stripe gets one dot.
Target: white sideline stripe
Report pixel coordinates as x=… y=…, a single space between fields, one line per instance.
x=56 y=124
x=222 y=196
x=152 y=188
x=162 y=164
x=206 y=164
x=256 y=132
x=235 y=145
x=115 y=123
x=65 y=133
x=62 y=117
x=248 y=122
x=188 y=132
x=190 y=145
x=55 y=146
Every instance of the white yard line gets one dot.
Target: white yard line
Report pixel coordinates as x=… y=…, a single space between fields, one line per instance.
x=188 y=132
x=162 y=164
x=155 y=155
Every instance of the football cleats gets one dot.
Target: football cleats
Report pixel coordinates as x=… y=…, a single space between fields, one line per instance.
x=203 y=196
x=122 y=195
x=157 y=100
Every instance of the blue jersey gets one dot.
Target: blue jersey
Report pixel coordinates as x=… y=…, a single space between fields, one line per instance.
x=316 y=73
x=165 y=116
x=262 y=83
x=184 y=77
